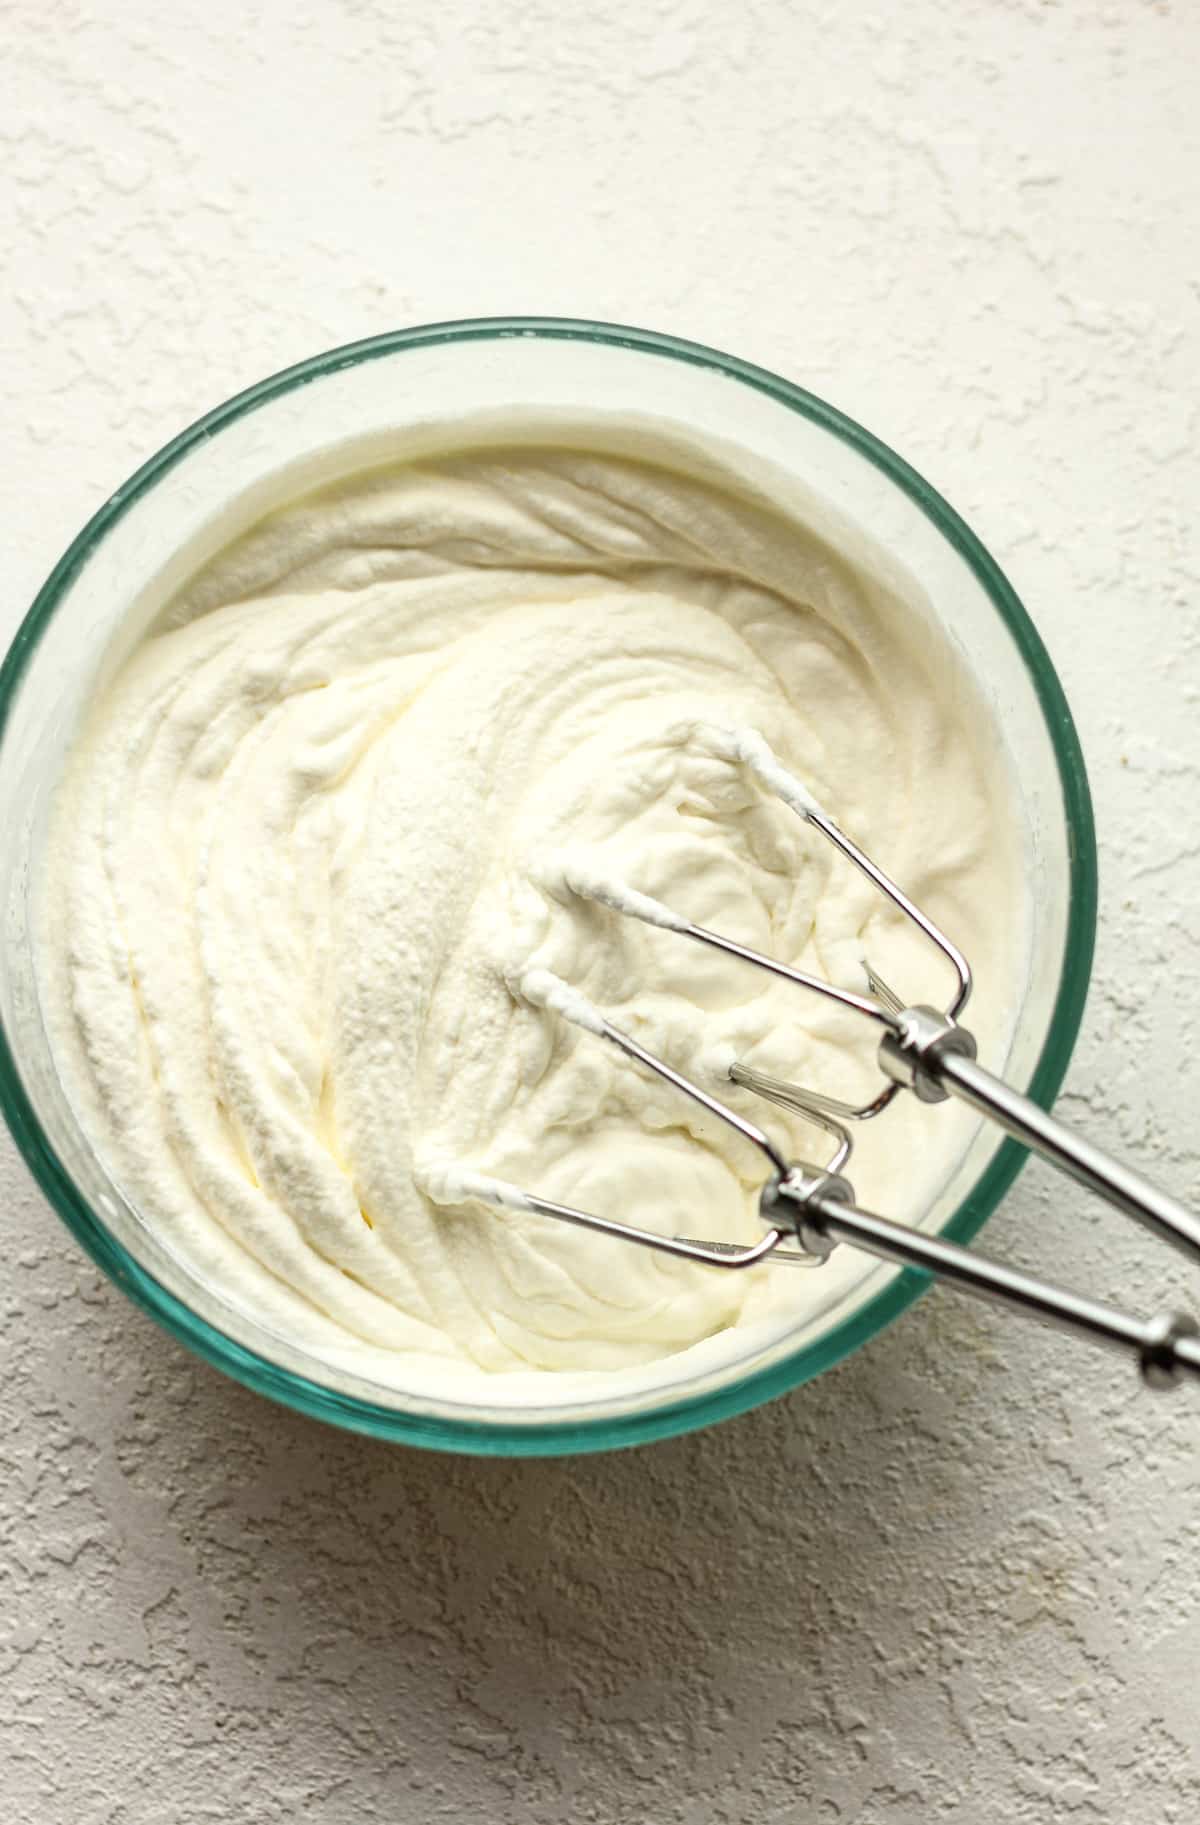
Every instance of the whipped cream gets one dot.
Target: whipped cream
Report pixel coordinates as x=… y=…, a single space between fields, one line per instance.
x=366 y=798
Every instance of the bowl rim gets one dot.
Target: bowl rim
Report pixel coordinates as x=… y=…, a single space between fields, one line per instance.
x=546 y=1438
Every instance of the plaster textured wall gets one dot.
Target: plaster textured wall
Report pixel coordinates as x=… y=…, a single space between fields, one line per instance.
x=959 y=1578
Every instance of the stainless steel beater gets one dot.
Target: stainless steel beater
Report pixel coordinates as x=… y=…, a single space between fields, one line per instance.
x=922 y=1050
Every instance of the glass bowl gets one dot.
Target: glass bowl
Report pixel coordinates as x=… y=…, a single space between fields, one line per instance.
x=393 y=396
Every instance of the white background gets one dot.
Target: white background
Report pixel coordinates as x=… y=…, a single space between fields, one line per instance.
x=959 y=1578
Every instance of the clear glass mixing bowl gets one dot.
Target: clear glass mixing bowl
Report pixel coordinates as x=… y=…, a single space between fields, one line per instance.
x=392 y=396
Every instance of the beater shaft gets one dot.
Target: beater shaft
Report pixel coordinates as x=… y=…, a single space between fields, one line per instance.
x=1079 y=1158
x=1165 y=1347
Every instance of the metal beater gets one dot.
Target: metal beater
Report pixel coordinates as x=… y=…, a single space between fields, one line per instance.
x=922 y=1050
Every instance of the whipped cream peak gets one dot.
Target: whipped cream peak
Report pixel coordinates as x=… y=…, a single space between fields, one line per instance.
x=746 y=747
x=581 y=874
x=546 y=990
x=448 y=1182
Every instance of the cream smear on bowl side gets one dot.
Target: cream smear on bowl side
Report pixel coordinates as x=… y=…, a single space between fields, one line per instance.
x=326 y=814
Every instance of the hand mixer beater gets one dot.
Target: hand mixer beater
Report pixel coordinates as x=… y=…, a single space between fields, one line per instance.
x=807 y=1209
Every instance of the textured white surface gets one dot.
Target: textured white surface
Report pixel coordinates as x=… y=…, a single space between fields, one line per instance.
x=960 y=1577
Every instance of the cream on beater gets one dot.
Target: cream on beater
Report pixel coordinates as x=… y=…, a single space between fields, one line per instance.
x=333 y=805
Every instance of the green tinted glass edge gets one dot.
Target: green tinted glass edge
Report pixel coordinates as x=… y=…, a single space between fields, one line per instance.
x=542 y=1438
